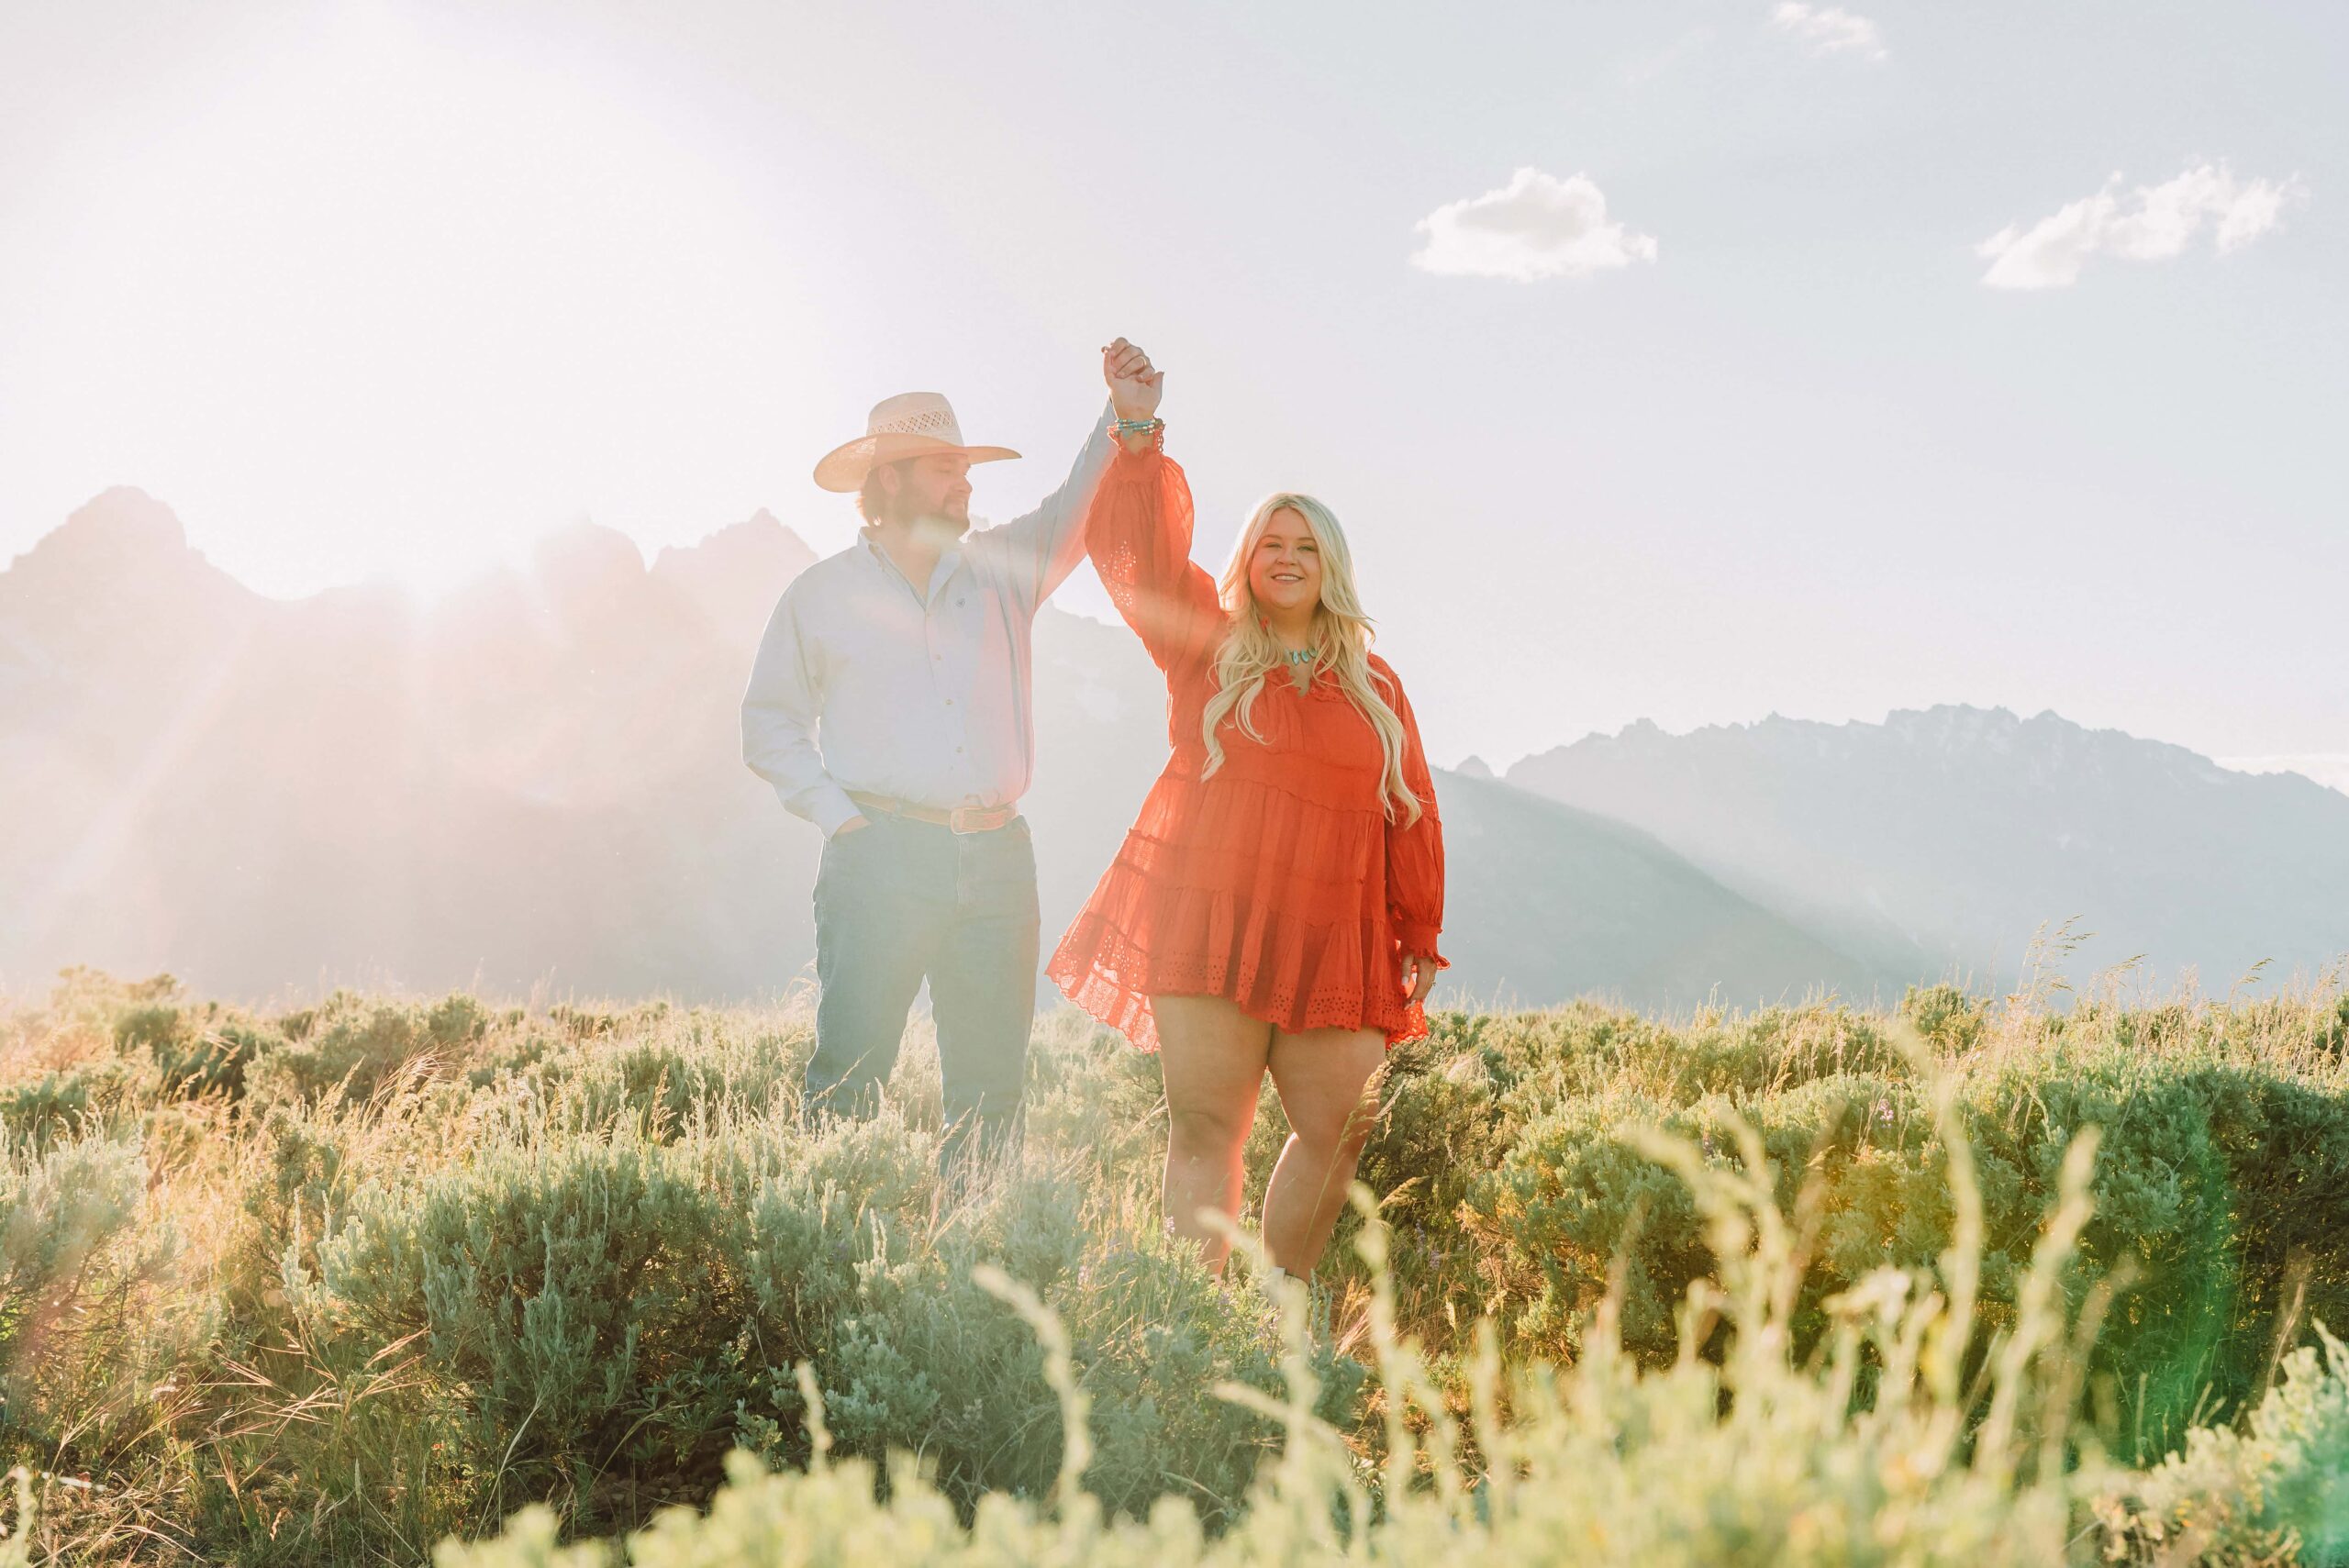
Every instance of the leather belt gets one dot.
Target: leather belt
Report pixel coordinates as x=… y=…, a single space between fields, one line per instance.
x=961 y=819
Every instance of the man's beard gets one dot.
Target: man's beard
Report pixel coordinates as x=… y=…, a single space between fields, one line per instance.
x=937 y=526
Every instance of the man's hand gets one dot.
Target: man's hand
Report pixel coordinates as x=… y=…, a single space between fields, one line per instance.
x=852 y=825
x=1134 y=386
x=1418 y=973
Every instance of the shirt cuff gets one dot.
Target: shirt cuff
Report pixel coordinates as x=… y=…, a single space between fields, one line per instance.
x=827 y=807
x=1418 y=940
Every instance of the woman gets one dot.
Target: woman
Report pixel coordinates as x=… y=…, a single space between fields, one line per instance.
x=1277 y=904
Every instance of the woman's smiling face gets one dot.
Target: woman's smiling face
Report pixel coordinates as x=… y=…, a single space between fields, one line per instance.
x=1284 y=568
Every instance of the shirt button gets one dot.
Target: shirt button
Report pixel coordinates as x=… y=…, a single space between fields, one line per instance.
x=949 y=702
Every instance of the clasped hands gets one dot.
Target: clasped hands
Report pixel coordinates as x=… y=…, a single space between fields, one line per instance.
x=1135 y=385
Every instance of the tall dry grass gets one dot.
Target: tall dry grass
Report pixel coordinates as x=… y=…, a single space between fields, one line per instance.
x=334 y=1282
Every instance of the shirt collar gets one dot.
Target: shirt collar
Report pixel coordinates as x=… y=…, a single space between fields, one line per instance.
x=948 y=562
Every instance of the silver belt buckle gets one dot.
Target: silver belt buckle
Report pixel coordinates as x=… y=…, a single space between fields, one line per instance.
x=977 y=818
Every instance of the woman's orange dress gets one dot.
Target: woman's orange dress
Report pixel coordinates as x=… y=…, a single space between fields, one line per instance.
x=1278 y=882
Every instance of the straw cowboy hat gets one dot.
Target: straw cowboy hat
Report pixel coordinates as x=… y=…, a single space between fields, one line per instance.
x=912 y=424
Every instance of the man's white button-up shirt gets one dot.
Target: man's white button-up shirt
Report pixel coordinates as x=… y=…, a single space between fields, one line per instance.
x=862 y=683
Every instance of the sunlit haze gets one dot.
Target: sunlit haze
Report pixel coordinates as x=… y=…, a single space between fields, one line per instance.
x=1686 y=361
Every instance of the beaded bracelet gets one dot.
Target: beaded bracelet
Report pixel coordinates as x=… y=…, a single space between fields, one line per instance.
x=1155 y=429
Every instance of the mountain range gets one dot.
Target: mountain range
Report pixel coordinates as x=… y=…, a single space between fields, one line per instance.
x=1945 y=840
x=536 y=782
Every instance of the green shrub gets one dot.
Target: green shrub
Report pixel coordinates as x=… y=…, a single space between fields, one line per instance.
x=51 y=1108
x=1764 y=1460
x=2276 y=1491
x=595 y=1319
x=215 y=1062
x=441 y=1261
x=606 y=1023
x=924 y=1360
x=80 y=1334
x=152 y=1026
x=2208 y=1195
x=353 y=1048
x=1945 y=1015
x=568 y=1306
x=59 y=1208
x=661 y=1084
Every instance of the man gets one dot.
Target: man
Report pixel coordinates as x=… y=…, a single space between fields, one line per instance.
x=890 y=706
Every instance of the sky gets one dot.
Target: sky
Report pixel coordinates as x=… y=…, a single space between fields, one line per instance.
x=1686 y=361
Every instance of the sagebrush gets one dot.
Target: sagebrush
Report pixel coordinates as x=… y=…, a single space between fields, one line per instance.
x=334 y=1283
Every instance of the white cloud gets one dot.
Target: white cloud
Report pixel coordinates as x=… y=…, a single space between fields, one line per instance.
x=1830 y=30
x=1535 y=227
x=2154 y=224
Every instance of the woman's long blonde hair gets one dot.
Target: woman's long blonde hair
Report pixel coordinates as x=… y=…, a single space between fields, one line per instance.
x=1341 y=638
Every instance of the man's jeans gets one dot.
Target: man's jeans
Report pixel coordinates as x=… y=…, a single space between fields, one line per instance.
x=899 y=901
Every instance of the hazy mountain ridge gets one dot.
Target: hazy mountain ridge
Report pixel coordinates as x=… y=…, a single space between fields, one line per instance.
x=538 y=778
x=1941 y=839
x=730 y=575
x=1559 y=902
x=344 y=784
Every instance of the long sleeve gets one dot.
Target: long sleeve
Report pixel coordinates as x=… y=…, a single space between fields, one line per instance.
x=1140 y=536
x=1414 y=850
x=1036 y=552
x=780 y=711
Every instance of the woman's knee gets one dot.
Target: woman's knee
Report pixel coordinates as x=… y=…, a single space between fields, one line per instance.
x=1330 y=1138
x=1208 y=1129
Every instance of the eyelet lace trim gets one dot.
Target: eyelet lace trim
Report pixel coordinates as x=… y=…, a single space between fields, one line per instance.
x=1107 y=974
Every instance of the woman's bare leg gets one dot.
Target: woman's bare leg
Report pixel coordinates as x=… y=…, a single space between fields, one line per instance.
x=1324 y=1077
x=1213 y=1056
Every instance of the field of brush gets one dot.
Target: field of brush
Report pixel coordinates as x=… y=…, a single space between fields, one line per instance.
x=1977 y=1283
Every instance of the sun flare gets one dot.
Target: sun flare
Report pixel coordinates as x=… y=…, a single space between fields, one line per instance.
x=393 y=295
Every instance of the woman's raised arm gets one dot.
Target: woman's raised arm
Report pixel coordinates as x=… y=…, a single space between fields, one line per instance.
x=1139 y=534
